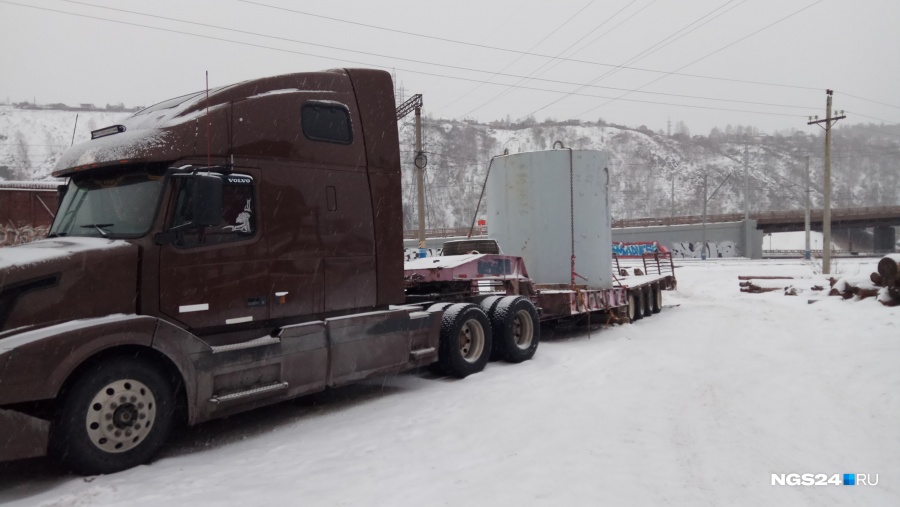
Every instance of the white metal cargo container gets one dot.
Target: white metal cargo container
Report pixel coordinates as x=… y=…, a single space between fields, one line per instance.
x=534 y=202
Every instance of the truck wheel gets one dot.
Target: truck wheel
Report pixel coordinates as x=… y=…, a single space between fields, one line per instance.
x=657 y=298
x=638 y=296
x=516 y=329
x=112 y=417
x=465 y=344
x=648 y=301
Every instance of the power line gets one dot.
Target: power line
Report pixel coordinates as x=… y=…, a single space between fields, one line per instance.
x=637 y=57
x=869 y=100
x=520 y=56
x=454 y=67
x=557 y=59
x=873 y=118
x=587 y=62
x=260 y=46
x=709 y=54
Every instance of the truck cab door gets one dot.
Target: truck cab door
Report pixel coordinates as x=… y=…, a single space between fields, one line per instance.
x=215 y=278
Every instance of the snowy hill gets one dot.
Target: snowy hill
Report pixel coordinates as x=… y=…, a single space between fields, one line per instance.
x=652 y=174
x=31 y=141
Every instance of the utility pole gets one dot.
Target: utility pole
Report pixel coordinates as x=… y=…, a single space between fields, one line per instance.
x=705 y=202
x=415 y=104
x=672 y=213
x=420 y=180
x=826 y=211
x=746 y=184
x=703 y=234
x=808 y=252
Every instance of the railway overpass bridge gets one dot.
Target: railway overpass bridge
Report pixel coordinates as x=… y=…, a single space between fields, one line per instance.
x=785 y=221
x=728 y=234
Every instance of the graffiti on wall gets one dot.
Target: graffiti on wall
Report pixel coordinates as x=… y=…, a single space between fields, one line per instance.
x=10 y=235
x=636 y=248
x=715 y=249
x=413 y=253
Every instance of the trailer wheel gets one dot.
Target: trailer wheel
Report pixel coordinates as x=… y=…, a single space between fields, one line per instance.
x=638 y=296
x=516 y=329
x=648 y=301
x=657 y=298
x=489 y=305
x=113 y=417
x=465 y=343
x=631 y=308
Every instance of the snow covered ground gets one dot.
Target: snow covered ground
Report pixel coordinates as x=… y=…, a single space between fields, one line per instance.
x=698 y=405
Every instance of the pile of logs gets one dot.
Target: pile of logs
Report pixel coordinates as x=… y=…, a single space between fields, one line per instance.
x=883 y=285
x=888 y=279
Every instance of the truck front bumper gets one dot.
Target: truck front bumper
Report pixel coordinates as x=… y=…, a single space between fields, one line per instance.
x=22 y=436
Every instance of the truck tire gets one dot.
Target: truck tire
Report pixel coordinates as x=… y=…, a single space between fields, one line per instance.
x=465 y=343
x=113 y=417
x=657 y=298
x=516 y=329
x=638 y=304
x=489 y=305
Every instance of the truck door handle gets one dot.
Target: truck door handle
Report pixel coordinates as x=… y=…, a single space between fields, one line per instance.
x=257 y=301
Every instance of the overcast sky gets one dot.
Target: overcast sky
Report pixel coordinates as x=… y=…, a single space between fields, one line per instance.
x=474 y=51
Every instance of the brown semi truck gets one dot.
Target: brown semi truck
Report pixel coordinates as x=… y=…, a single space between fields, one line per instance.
x=215 y=253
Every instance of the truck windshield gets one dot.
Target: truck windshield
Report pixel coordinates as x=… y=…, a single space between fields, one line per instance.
x=117 y=206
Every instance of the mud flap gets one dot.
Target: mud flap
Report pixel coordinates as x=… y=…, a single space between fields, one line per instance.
x=22 y=436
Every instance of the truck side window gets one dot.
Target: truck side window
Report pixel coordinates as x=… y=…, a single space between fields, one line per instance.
x=238 y=214
x=326 y=121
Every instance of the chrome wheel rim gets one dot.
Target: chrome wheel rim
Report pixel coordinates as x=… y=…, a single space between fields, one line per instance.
x=471 y=341
x=524 y=329
x=120 y=416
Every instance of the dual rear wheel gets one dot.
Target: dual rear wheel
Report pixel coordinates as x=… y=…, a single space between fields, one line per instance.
x=644 y=302
x=500 y=328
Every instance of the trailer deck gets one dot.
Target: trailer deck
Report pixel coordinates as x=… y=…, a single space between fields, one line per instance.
x=636 y=289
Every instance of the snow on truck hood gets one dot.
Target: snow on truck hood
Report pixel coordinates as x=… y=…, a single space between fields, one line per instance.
x=54 y=249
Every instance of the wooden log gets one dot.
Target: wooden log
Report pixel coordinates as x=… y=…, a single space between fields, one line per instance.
x=832 y=281
x=887 y=268
x=876 y=279
x=756 y=289
x=834 y=292
x=744 y=284
x=894 y=292
x=817 y=287
x=866 y=293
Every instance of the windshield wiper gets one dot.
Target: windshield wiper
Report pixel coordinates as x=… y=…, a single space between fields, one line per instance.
x=98 y=227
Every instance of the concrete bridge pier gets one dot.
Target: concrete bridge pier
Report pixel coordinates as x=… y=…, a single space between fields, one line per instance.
x=885 y=237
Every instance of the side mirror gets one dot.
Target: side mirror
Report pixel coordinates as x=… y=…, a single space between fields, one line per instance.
x=207 y=200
